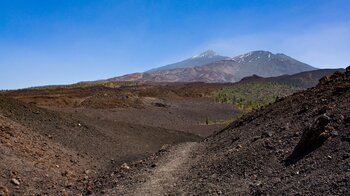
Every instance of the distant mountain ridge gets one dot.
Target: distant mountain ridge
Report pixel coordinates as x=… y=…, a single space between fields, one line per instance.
x=261 y=63
x=305 y=79
x=204 y=58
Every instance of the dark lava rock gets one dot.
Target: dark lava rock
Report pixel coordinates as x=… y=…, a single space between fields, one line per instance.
x=303 y=109
x=161 y=105
x=313 y=137
x=347 y=118
x=315 y=134
x=266 y=134
x=346 y=138
x=334 y=133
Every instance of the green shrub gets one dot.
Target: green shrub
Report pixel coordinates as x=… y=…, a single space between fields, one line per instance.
x=249 y=96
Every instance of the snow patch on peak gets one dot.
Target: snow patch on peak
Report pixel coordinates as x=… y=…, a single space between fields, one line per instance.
x=207 y=54
x=242 y=58
x=254 y=54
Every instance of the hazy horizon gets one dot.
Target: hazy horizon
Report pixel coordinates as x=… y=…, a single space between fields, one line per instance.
x=61 y=42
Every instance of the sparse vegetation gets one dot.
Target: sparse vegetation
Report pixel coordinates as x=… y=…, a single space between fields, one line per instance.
x=220 y=121
x=249 y=96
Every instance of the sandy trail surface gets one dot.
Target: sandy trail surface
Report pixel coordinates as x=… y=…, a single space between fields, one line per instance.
x=167 y=172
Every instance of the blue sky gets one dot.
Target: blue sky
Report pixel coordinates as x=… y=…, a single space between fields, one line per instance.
x=45 y=42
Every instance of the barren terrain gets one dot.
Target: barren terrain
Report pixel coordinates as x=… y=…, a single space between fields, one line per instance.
x=296 y=146
x=66 y=137
x=173 y=138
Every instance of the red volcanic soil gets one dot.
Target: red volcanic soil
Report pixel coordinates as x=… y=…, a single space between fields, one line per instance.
x=56 y=141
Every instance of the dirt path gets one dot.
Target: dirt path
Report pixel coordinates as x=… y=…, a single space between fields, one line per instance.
x=167 y=172
x=170 y=168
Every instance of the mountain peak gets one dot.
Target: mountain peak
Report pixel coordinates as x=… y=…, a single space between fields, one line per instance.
x=209 y=67
x=257 y=54
x=261 y=52
x=203 y=58
x=207 y=53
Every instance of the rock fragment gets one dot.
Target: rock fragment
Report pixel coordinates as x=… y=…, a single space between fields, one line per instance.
x=334 y=133
x=312 y=138
x=315 y=134
x=125 y=166
x=15 y=181
x=87 y=172
x=4 y=191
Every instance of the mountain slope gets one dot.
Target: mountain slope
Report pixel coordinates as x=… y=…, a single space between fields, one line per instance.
x=267 y=64
x=204 y=58
x=306 y=79
x=300 y=145
x=262 y=63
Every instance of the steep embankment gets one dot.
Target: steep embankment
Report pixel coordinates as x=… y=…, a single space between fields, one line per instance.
x=34 y=164
x=298 y=145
